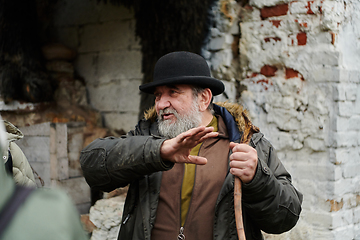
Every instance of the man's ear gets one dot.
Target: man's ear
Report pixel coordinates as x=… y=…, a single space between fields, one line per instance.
x=204 y=99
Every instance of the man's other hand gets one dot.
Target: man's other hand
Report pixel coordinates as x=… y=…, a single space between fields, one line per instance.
x=243 y=161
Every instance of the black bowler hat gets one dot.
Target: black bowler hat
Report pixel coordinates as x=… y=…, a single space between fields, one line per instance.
x=183 y=68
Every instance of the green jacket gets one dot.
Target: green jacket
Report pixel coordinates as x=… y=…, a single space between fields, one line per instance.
x=46 y=214
x=270 y=202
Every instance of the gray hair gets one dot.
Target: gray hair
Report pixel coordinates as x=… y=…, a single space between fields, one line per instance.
x=198 y=90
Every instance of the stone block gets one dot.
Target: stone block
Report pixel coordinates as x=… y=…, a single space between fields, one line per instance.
x=346 y=232
x=42 y=173
x=317 y=172
x=351 y=92
x=345 y=108
x=75 y=145
x=61 y=140
x=346 y=139
x=343 y=186
x=83 y=208
x=106 y=215
x=284 y=119
x=339 y=92
x=42 y=129
x=120 y=96
x=76 y=188
x=319 y=219
x=36 y=149
x=354 y=122
x=109 y=36
x=357 y=101
x=69 y=36
x=60 y=66
x=356 y=215
x=298 y=7
x=351 y=170
x=342 y=124
x=354 y=76
x=63 y=168
x=357 y=231
x=221 y=60
x=17 y=106
x=121 y=65
x=125 y=121
x=345 y=156
x=87 y=66
x=69 y=13
x=342 y=218
x=105 y=67
x=315 y=144
x=54 y=167
x=324 y=74
x=282 y=140
x=112 y=12
x=327 y=58
x=217 y=43
x=332 y=15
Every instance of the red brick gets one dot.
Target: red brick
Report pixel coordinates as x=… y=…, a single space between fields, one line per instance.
x=309 y=11
x=253 y=75
x=275 y=11
x=333 y=37
x=275 y=38
x=263 y=81
x=248 y=7
x=301 y=38
x=268 y=71
x=291 y=73
x=276 y=23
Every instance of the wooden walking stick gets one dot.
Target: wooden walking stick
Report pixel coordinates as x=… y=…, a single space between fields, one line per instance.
x=248 y=132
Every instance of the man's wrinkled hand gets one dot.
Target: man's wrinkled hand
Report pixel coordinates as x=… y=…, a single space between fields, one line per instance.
x=243 y=161
x=178 y=149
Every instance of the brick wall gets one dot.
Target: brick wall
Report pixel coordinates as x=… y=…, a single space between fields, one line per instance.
x=298 y=64
x=109 y=56
x=299 y=61
x=52 y=150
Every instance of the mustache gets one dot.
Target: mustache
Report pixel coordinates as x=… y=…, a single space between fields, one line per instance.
x=167 y=111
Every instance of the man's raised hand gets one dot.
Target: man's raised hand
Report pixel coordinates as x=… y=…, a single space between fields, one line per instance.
x=178 y=149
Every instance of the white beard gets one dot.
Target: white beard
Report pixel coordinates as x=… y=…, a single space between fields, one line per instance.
x=182 y=123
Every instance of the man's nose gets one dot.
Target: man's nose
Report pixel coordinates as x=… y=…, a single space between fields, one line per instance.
x=163 y=103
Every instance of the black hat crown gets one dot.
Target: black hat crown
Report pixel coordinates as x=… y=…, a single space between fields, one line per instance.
x=183 y=68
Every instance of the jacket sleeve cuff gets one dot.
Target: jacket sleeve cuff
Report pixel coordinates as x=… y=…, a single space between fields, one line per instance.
x=152 y=154
x=262 y=175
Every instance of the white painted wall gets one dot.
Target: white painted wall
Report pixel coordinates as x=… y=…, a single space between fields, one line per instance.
x=312 y=119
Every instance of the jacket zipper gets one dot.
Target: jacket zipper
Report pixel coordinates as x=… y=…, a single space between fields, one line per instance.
x=181 y=235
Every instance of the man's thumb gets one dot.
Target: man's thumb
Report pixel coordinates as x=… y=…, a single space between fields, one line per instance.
x=232 y=145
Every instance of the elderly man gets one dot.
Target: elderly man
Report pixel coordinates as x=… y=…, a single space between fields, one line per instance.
x=181 y=160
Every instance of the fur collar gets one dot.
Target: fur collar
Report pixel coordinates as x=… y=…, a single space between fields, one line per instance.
x=234 y=109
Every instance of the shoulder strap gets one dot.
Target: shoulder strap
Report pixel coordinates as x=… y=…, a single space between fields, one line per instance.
x=19 y=196
x=9 y=164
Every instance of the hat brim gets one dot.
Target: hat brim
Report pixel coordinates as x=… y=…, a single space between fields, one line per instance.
x=215 y=85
